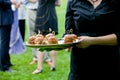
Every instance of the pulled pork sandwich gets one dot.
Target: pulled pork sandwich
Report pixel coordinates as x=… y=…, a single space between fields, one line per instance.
x=70 y=38
x=31 y=39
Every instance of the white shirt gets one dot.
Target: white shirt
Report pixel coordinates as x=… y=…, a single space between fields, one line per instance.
x=22 y=12
x=30 y=5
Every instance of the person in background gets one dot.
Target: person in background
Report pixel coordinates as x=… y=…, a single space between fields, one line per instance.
x=46 y=19
x=6 y=20
x=22 y=18
x=96 y=23
x=31 y=9
x=16 y=42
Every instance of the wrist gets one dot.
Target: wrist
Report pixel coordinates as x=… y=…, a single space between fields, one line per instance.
x=93 y=41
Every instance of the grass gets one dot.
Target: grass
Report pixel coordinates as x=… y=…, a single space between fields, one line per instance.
x=21 y=61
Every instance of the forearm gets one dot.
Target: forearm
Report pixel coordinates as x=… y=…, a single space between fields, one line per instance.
x=105 y=40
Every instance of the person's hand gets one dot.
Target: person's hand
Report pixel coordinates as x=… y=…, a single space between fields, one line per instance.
x=17 y=5
x=85 y=41
x=13 y=1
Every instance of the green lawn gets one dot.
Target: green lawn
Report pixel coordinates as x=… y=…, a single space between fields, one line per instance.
x=24 y=69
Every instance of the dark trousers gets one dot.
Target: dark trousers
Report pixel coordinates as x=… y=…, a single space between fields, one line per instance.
x=4 y=47
x=22 y=28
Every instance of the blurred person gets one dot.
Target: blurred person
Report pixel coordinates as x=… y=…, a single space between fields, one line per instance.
x=16 y=42
x=6 y=20
x=46 y=19
x=31 y=6
x=22 y=18
x=96 y=23
x=31 y=9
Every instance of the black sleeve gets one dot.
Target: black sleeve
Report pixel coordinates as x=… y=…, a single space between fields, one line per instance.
x=69 y=16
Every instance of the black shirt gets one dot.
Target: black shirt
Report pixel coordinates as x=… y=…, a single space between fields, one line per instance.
x=88 y=63
x=46 y=17
x=87 y=19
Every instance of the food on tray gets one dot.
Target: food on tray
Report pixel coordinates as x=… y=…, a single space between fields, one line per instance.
x=31 y=39
x=69 y=38
x=74 y=36
x=52 y=40
x=49 y=35
x=44 y=41
x=40 y=35
x=40 y=39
